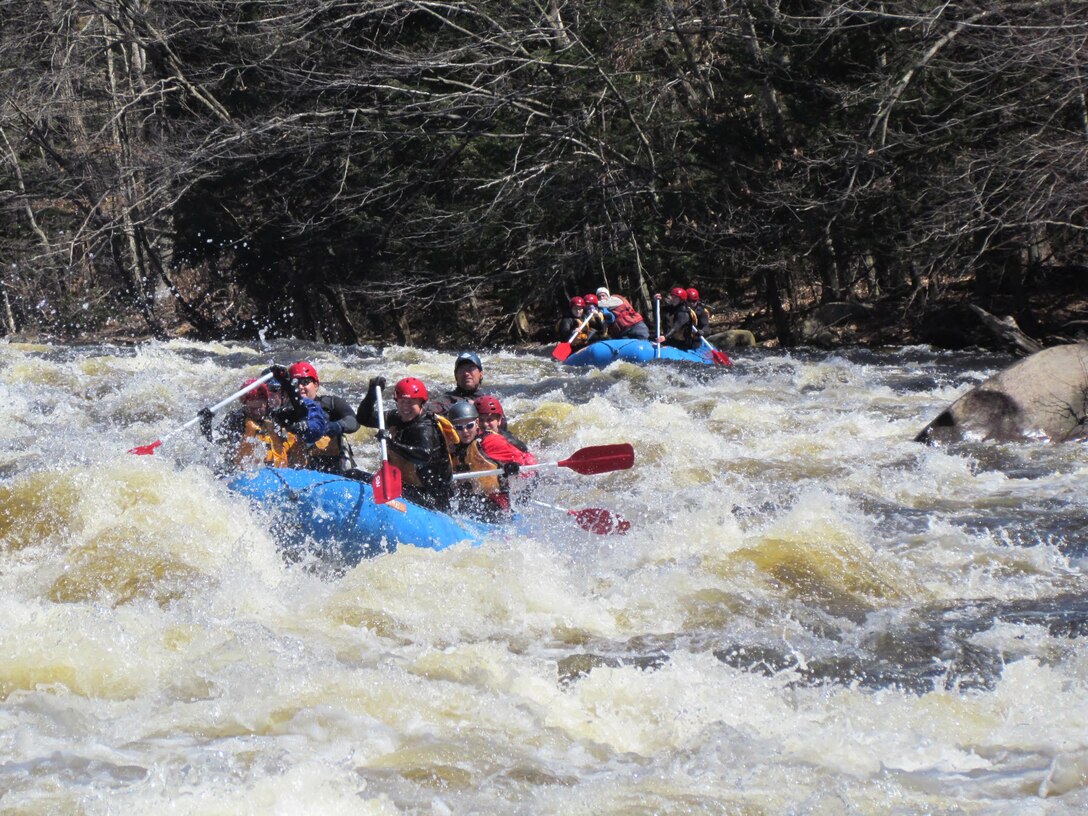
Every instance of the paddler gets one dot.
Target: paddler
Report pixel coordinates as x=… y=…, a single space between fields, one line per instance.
x=680 y=323
x=265 y=431
x=483 y=447
x=416 y=442
x=331 y=453
x=702 y=312
x=594 y=328
x=468 y=375
x=626 y=323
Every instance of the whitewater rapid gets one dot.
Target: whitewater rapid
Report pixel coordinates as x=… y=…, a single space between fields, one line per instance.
x=812 y=614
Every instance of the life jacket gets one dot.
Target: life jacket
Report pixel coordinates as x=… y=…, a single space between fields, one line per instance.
x=264 y=442
x=625 y=314
x=691 y=333
x=448 y=431
x=702 y=315
x=567 y=325
x=328 y=454
x=473 y=459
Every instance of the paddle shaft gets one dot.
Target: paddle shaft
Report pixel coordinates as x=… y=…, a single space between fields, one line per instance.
x=583 y=324
x=657 y=327
x=240 y=392
x=563 y=350
x=381 y=421
x=593 y=519
x=594 y=459
x=475 y=474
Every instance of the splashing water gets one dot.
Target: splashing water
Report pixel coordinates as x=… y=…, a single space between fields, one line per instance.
x=810 y=614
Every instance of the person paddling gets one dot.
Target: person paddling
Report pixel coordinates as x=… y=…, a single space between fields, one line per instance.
x=468 y=374
x=416 y=442
x=267 y=430
x=583 y=325
x=679 y=328
x=627 y=323
x=494 y=420
x=702 y=312
x=483 y=447
x=331 y=453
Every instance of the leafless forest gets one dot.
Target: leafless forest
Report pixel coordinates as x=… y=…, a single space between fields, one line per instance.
x=348 y=170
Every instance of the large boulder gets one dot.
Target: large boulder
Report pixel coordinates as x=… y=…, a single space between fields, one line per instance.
x=1042 y=397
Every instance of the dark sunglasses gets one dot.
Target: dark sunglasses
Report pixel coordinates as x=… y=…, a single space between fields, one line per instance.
x=305 y=380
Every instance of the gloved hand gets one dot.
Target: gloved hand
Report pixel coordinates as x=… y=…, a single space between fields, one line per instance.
x=289 y=414
x=376 y=382
x=383 y=433
x=335 y=429
x=279 y=374
x=206 y=416
x=511 y=469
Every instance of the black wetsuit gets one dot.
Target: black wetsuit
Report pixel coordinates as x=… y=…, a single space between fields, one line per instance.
x=421 y=444
x=342 y=420
x=678 y=329
x=702 y=315
x=442 y=404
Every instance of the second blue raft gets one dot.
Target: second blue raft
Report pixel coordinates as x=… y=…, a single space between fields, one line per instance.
x=606 y=352
x=339 y=515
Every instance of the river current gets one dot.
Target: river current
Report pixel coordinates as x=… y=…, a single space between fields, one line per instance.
x=811 y=614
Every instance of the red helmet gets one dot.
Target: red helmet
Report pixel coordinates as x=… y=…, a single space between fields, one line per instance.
x=591 y=300
x=302 y=369
x=680 y=292
x=260 y=392
x=488 y=405
x=410 y=388
x=577 y=303
x=693 y=295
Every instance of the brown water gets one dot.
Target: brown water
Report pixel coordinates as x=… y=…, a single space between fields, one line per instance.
x=812 y=614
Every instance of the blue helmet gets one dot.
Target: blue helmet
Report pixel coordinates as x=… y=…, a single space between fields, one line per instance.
x=469 y=357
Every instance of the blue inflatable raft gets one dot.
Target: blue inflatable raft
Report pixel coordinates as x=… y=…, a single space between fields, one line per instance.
x=605 y=352
x=339 y=516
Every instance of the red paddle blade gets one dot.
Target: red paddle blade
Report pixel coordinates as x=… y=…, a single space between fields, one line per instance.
x=720 y=357
x=600 y=521
x=562 y=351
x=600 y=459
x=386 y=484
x=146 y=450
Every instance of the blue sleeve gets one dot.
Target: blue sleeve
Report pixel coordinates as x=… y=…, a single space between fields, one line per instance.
x=608 y=316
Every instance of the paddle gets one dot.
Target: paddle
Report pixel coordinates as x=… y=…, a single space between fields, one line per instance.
x=657 y=327
x=563 y=350
x=594 y=459
x=149 y=450
x=386 y=482
x=594 y=519
x=720 y=357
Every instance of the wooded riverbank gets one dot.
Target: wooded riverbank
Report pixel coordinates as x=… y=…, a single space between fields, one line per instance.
x=422 y=173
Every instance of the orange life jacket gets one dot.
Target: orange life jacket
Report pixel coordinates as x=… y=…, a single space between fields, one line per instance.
x=264 y=442
x=473 y=459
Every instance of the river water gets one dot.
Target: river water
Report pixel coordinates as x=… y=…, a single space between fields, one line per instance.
x=811 y=615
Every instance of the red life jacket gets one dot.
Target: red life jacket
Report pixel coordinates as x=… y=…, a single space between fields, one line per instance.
x=625 y=314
